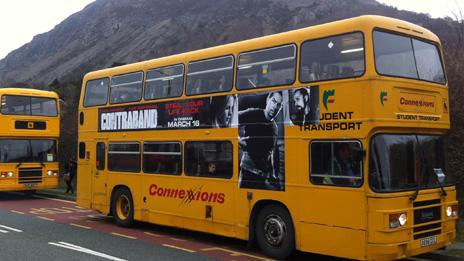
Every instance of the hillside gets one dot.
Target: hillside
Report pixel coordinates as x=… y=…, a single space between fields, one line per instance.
x=125 y=31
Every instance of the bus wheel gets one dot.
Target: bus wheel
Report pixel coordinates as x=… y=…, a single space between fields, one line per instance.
x=274 y=232
x=123 y=207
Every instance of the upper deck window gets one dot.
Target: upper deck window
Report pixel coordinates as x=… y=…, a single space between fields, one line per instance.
x=126 y=88
x=164 y=82
x=212 y=75
x=402 y=56
x=26 y=105
x=332 y=58
x=96 y=92
x=268 y=67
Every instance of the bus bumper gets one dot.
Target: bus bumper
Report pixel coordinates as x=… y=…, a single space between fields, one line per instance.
x=48 y=183
x=407 y=249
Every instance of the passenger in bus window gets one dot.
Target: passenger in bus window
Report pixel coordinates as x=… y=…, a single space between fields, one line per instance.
x=344 y=165
x=258 y=142
x=211 y=169
x=222 y=109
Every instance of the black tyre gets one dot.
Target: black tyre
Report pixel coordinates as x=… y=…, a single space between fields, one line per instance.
x=123 y=207
x=275 y=233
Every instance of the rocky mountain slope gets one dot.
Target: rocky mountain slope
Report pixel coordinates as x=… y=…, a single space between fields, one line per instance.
x=109 y=32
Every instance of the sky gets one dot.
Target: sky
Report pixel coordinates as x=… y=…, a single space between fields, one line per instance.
x=21 y=20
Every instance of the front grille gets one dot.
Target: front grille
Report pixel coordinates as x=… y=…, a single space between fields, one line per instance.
x=30 y=175
x=427 y=227
x=425 y=215
x=427 y=234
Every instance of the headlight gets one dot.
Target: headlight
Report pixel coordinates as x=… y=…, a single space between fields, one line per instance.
x=397 y=220
x=452 y=211
x=49 y=173
x=403 y=219
x=6 y=174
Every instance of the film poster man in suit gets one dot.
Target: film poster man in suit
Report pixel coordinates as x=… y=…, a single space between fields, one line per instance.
x=261 y=166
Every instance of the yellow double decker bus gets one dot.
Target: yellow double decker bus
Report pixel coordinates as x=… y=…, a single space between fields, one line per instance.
x=29 y=132
x=327 y=139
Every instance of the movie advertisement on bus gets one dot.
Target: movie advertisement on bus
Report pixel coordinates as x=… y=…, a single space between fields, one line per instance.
x=211 y=112
x=262 y=118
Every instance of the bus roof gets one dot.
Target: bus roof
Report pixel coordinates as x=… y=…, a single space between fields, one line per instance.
x=28 y=92
x=366 y=22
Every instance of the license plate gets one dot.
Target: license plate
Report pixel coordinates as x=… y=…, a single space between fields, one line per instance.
x=428 y=241
x=30 y=185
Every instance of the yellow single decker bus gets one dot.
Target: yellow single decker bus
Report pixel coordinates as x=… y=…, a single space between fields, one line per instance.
x=326 y=139
x=29 y=132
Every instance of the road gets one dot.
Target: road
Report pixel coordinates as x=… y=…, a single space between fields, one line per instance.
x=34 y=227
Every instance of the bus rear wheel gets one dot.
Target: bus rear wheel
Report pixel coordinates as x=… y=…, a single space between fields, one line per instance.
x=123 y=207
x=274 y=232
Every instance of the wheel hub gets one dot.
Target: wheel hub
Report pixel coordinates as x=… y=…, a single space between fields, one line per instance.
x=275 y=230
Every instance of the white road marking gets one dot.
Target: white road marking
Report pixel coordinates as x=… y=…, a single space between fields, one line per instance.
x=180 y=248
x=85 y=250
x=3 y=231
x=55 y=199
x=10 y=228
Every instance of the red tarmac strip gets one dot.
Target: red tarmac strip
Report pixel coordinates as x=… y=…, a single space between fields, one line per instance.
x=66 y=212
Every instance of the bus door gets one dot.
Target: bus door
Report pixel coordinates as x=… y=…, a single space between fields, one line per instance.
x=209 y=170
x=335 y=207
x=99 y=174
x=84 y=176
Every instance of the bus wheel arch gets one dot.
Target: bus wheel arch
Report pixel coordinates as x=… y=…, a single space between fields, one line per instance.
x=270 y=213
x=122 y=206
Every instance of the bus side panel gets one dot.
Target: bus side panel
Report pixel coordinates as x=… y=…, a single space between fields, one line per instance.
x=336 y=241
x=164 y=200
x=333 y=221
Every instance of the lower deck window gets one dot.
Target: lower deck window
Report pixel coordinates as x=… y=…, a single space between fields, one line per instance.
x=124 y=157
x=208 y=159
x=162 y=157
x=336 y=163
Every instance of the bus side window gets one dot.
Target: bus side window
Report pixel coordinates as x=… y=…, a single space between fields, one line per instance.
x=336 y=163
x=164 y=82
x=101 y=153
x=210 y=76
x=126 y=88
x=266 y=67
x=162 y=158
x=208 y=159
x=334 y=57
x=124 y=156
x=96 y=92
x=82 y=150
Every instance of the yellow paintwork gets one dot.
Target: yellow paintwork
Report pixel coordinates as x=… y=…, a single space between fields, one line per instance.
x=337 y=221
x=7 y=130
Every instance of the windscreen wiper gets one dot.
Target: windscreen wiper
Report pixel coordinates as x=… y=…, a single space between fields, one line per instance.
x=19 y=164
x=414 y=196
x=425 y=165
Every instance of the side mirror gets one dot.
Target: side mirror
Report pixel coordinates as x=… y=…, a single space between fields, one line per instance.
x=440 y=174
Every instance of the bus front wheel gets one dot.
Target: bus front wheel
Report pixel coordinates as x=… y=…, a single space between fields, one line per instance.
x=123 y=207
x=274 y=232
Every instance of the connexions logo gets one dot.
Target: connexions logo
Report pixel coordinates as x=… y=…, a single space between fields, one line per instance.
x=328 y=97
x=383 y=97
